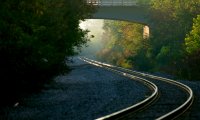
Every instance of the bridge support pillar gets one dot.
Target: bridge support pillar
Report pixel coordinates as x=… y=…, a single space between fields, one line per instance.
x=146 y=32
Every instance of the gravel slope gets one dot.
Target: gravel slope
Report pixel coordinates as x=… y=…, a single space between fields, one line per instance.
x=86 y=93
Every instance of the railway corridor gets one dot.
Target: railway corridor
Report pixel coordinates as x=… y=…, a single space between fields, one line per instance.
x=86 y=93
x=89 y=92
x=175 y=97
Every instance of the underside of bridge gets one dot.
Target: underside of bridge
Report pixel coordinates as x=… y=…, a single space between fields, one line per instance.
x=128 y=13
x=127 y=10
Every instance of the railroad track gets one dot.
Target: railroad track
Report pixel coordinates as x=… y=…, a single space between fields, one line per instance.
x=142 y=77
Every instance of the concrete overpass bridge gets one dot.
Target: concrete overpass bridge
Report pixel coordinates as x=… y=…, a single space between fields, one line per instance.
x=128 y=10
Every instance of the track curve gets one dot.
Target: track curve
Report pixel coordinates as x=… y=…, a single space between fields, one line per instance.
x=173 y=113
x=136 y=106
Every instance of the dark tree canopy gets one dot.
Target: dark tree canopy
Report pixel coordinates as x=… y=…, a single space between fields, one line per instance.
x=36 y=37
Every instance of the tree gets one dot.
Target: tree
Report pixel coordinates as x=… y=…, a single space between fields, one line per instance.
x=171 y=21
x=122 y=39
x=192 y=59
x=192 y=40
x=36 y=37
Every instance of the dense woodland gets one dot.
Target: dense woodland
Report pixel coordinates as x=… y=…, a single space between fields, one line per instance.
x=36 y=39
x=38 y=36
x=173 y=46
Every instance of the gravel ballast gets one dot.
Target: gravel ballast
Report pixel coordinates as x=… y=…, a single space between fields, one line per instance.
x=86 y=93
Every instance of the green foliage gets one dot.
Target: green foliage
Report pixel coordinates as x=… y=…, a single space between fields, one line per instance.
x=192 y=41
x=35 y=39
x=192 y=59
x=172 y=48
x=121 y=40
x=142 y=60
x=171 y=21
x=163 y=56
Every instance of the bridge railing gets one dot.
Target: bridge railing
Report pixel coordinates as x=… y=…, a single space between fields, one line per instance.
x=112 y=2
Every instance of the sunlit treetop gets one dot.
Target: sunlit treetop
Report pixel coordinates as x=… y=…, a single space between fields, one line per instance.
x=192 y=40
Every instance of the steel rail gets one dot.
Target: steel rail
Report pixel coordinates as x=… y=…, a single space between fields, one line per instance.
x=174 y=113
x=136 y=106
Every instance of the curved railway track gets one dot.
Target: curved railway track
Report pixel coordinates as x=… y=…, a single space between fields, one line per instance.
x=177 y=111
x=135 y=107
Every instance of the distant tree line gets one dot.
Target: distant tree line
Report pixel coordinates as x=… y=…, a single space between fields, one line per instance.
x=36 y=37
x=173 y=46
x=121 y=40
